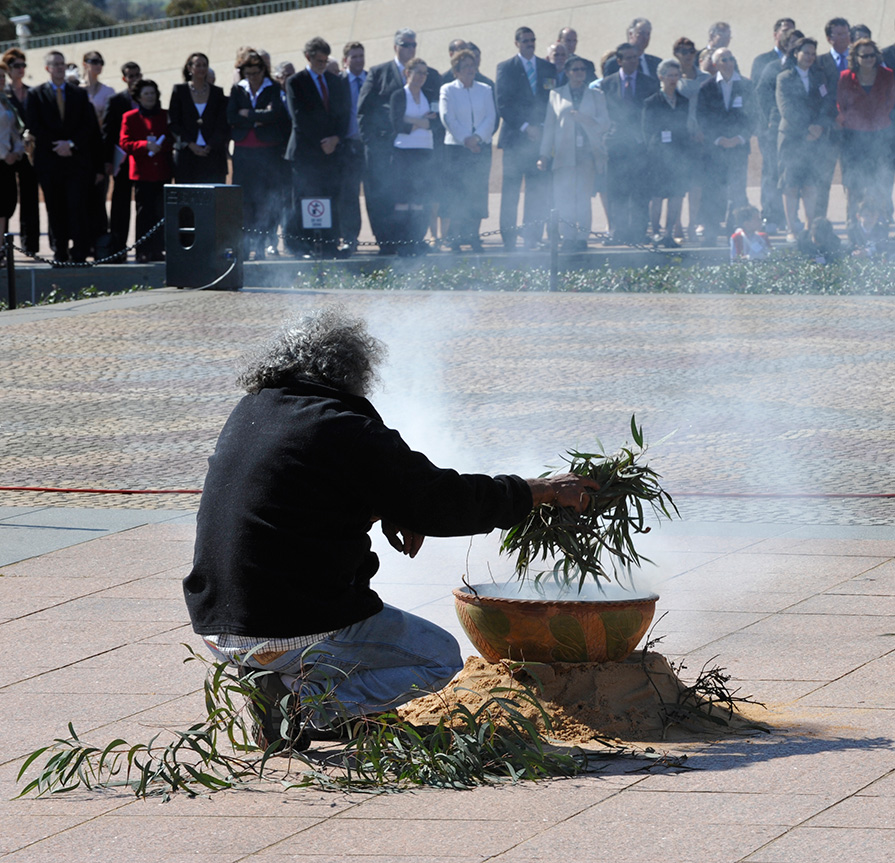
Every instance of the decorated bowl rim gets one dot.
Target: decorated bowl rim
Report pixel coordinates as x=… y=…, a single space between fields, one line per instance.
x=464 y=593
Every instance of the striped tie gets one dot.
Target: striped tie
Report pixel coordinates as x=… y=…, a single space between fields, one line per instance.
x=532 y=75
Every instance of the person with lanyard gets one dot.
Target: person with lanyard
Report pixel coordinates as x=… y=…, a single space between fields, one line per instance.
x=627 y=193
x=726 y=114
x=573 y=143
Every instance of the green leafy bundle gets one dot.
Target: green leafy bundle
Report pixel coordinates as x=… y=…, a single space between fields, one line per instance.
x=578 y=542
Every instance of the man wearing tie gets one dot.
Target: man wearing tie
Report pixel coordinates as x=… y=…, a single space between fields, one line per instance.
x=627 y=190
x=832 y=63
x=320 y=110
x=67 y=156
x=523 y=91
x=353 y=159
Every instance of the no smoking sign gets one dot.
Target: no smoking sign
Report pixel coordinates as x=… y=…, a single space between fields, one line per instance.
x=316 y=213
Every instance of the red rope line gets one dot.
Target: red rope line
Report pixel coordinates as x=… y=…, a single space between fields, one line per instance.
x=730 y=494
x=103 y=490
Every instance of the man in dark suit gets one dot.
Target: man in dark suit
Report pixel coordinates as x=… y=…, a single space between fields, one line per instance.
x=725 y=110
x=374 y=122
x=353 y=159
x=523 y=90
x=639 y=32
x=832 y=63
x=627 y=190
x=67 y=156
x=320 y=108
x=771 y=199
x=569 y=37
x=122 y=188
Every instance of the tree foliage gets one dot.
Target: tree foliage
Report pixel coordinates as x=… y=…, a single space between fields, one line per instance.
x=52 y=16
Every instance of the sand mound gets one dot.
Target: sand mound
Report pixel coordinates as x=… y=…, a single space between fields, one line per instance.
x=631 y=700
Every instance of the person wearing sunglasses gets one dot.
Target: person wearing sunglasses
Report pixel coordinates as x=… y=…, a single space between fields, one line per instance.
x=866 y=97
x=29 y=202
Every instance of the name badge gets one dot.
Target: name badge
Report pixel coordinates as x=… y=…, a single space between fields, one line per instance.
x=737 y=102
x=666 y=136
x=823 y=89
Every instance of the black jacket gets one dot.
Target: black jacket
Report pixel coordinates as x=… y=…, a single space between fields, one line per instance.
x=269 y=114
x=311 y=120
x=295 y=482
x=184 y=120
x=80 y=126
x=517 y=104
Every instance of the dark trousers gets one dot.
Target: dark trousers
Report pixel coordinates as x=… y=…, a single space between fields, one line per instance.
x=378 y=186
x=316 y=176
x=29 y=207
x=150 y=201
x=65 y=192
x=627 y=192
x=725 y=188
x=824 y=171
x=354 y=168
x=259 y=170
x=120 y=217
x=771 y=197
x=520 y=163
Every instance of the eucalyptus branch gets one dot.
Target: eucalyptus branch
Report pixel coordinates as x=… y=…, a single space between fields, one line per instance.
x=615 y=515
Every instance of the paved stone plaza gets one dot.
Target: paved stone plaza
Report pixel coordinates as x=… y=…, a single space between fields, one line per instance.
x=763 y=399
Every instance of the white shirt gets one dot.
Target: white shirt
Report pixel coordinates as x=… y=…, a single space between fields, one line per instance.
x=418 y=139
x=466 y=112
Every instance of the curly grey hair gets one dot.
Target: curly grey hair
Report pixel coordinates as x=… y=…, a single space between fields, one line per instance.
x=326 y=346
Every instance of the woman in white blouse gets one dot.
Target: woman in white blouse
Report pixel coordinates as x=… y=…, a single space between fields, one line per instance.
x=469 y=118
x=574 y=129
x=413 y=119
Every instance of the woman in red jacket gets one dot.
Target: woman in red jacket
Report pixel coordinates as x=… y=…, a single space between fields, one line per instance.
x=145 y=138
x=866 y=97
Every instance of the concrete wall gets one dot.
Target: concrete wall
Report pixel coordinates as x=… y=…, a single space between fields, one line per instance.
x=490 y=23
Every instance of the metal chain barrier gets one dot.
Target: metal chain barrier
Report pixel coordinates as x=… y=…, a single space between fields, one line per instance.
x=109 y=258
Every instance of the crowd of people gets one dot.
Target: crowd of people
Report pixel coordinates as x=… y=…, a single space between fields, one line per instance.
x=642 y=132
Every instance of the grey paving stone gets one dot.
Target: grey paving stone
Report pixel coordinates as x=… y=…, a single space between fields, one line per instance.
x=827 y=845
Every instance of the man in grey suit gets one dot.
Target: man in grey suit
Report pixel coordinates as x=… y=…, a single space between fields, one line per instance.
x=832 y=63
x=523 y=91
x=639 y=32
x=375 y=125
x=771 y=198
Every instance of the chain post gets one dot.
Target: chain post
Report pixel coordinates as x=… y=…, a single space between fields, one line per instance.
x=553 y=233
x=10 y=269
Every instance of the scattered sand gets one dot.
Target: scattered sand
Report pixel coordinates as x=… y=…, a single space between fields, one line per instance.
x=628 y=701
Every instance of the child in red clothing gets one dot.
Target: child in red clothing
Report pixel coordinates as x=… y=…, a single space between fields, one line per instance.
x=747 y=243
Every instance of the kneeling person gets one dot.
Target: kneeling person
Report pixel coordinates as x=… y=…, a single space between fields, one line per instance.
x=302 y=470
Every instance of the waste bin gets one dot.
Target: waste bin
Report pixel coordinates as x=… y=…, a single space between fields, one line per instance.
x=203 y=236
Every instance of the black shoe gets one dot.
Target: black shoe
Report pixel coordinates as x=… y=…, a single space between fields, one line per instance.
x=284 y=732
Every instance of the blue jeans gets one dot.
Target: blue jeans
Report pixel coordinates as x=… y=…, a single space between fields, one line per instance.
x=370 y=666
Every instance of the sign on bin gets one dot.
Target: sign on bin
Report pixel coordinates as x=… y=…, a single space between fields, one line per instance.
x=316 y=213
